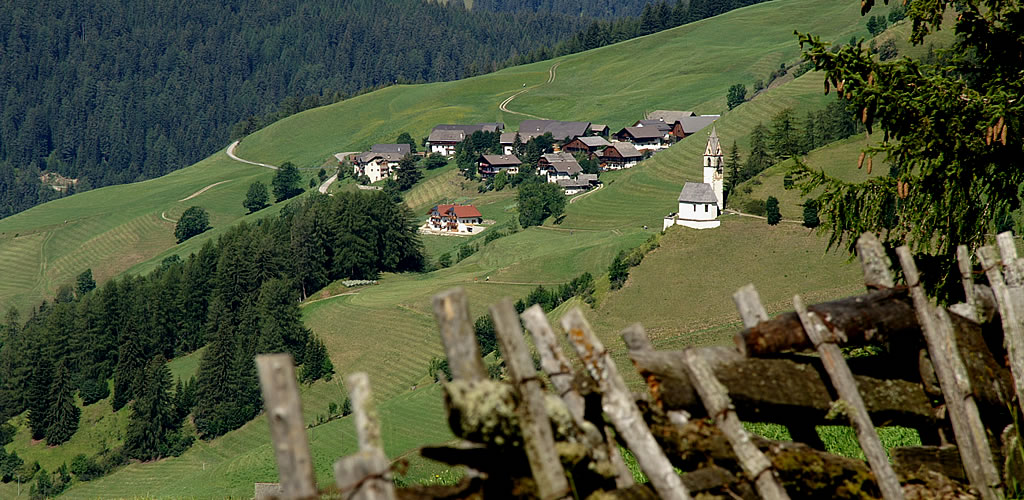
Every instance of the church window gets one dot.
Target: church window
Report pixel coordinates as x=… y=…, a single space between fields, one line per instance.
x=705 y=208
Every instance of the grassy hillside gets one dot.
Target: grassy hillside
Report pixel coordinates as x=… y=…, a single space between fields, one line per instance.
x=681 y=292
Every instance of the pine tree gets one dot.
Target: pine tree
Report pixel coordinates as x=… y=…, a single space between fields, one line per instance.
x=40 y=398
x=318 y=363
x=732 y=166
x=84 y=282
x=64 y=414
x=758 y=159
x=256 y=198
x=771 y=211
x=618 y=271
x=129 y=371
x=280 y=322
x=153 y=417
x=811 y=214
x=286 y=181
x=784 y=139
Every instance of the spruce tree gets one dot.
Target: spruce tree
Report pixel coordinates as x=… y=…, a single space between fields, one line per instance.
x=84 y=283
x=280 y=323
x=64 y=414
x=732 y=166
x=771 y=211
x=318 y=363
x=129 y=371
x=40 y=398
x=811 y=219
x=618 y=271
x=153 y=418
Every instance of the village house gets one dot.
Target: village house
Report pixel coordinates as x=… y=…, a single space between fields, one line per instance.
x=454 y=218
x=680 y=124
x=619 y=155
x=582 y=182
x=443 y=138
x=490 y=165
x=380 y=162
x=599 y=129
x=508 y=140
x=589 y=145
x=558 y=166
x=644 y=138
x=561 y=131
x=701 y=203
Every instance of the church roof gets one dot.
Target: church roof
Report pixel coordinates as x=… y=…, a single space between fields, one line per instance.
x=697 y=192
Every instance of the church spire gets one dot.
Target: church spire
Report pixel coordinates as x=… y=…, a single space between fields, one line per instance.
x=714 y=147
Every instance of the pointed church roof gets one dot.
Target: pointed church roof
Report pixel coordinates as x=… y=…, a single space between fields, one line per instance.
x=714 y=146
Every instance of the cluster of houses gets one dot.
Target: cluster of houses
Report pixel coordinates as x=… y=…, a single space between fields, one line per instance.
x=699 y=203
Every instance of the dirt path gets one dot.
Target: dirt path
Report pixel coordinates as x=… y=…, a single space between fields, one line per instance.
x=551 y=79
x=741 y=214
x=304 y=304
x=574 y=198
x=163 y=215
x=231 y=153
x=201 y=191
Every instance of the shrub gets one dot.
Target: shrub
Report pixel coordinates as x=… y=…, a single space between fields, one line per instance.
x=194 y=221
x=444 y=260
x=771 y=211
x=754 y=207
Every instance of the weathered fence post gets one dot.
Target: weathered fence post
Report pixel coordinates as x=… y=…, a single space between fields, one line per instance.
x=451 y=309
x=538 y=439
x=963 y=260
x=365 y=475
x=846 y=387
x=1010 y=298
x=618 y=404
x=874 y=262
x=637 y=341
x=560 y=372
x=287 y=429
x=972 y=442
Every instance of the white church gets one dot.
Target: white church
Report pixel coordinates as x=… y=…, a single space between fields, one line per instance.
x=700 y=204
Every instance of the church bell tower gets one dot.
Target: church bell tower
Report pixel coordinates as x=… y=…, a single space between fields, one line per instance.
x=714 y=167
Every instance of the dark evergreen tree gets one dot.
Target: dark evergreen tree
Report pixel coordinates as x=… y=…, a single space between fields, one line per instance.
x=758 y=159
x=771 y=211
x=63 y=416
x=485 y=335
x=153 y=419
x=318 y=363
x=131 y=365
x=280 y=322
x=405 y=138
x=193 y=221
x=811 y=214
x=40 y=398
x=784 y=139
x=408 y=173
x=84 y=282
x=732 y=168
x=257 y=197
x=286 y=181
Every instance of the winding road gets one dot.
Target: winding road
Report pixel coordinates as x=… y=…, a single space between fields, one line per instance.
x=551 y=79
x=231 y=153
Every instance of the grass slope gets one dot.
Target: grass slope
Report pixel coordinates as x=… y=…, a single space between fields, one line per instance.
x=681 y=291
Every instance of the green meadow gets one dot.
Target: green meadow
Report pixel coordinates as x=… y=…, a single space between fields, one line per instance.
x=681 y=291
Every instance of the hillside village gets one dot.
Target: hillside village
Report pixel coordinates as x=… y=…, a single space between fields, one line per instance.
x=568 y=143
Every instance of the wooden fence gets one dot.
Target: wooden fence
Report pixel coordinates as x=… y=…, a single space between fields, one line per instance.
x=954 y=374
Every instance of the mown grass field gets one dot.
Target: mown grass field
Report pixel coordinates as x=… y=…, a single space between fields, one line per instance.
x=681 y=292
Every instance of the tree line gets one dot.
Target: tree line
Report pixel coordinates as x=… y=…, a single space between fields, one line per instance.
x=238 y=296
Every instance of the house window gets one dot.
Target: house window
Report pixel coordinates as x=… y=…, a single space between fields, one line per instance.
x=705 y=208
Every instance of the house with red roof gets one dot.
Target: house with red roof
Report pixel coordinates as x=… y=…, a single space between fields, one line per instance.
x=454 y=218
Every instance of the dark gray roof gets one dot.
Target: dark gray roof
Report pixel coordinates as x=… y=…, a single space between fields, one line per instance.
x=697 y=192
x=594 y=141
x=598 y=127
x=496 y=160
x=668 y=116
x=695 y=123
x=563 y=162
x=456 y=133
x=626 y=150
x=658 y=124
x=402 y=149
x=573 y=183
x=369 y=156
x=559 y=130
x=642 y=132
x=589 y=178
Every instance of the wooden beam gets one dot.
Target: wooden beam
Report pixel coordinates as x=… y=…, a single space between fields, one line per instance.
x=748 y=302
x=972 y=442
x=846 y=387
x=636 y=340
x=778 y=390
x=871 y=318
x=619 y=406
x=552 y=359
x=533 y=418
x=451 y=309
x=963 y=260
x=716 y=400
x=376 y=483
x=287 y=429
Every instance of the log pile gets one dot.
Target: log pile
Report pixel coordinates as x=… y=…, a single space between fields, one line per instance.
x=955 y=374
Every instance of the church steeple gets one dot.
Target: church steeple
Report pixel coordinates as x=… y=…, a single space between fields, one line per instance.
x=714 y=167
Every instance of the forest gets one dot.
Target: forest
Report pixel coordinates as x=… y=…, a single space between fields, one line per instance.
x=112 y=91
x=237 y=297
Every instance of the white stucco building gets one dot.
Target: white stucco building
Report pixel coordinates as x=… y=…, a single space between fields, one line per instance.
x=700 y=204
